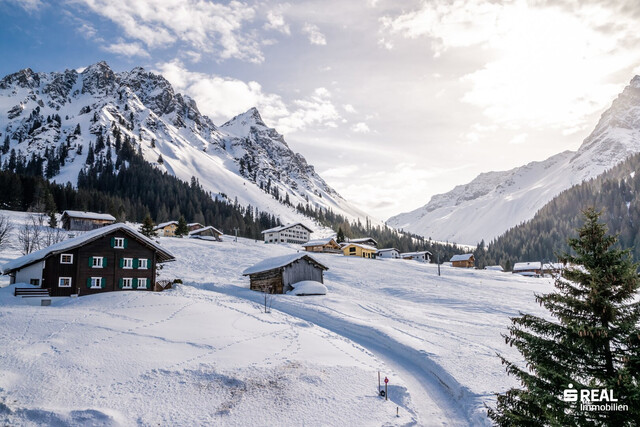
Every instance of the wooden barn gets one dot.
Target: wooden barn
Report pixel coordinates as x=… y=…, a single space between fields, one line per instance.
x=463 y=261
x=194 y=226
x=328 y=245
x=206 y=233
x=166 y=229
x=528 y=268
x=276 y=275
x=355 y=249
x=112 y=258
x=85 y=221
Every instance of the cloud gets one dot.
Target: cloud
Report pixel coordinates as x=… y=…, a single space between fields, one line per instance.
x=275 y=21
x=548 y=66
x=360 y=127
x=349 y=108
x=222 y=98
x=126 y=49
x=29 y=5
x=211 y=27
x=314 y=34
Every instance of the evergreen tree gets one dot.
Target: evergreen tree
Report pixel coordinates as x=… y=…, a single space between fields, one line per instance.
x=183 y=228
x=5 y=145
x=147 y=226
x=340 y=236
x=77 y=130
x=53 y=221
x=594 y=342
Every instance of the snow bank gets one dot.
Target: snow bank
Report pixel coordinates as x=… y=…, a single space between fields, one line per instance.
x=308 y=287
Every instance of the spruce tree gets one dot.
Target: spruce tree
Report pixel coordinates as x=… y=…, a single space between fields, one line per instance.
x=593 y=342
x=183 y=228
x=340 y=236
x=147 y=227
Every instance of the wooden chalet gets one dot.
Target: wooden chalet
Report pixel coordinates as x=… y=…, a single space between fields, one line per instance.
x=421 y=256
x=463 y=261
x=85 y=221
x=277 y=275
x=206 y=233
x=528 y=268
x=328 y=245
x=112 y=258
x=194 y=226
x=166 y=229
x=369 y=241
x=355 y=249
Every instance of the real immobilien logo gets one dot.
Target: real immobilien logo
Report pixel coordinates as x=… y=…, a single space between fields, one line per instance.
x=593 y=399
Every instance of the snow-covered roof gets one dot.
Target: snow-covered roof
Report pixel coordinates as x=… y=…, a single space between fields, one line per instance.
x=362 y=240
x=408 y=254
x=553 y=266
x=82 y=239
x=462 y=257
x=203 y=229
x=164 y=224
x=284 y=227
x=318 y=242
x=89 y=215
x=494 y=267
x=308 y=287
x=388 y=249
x=535 y=265
x=366 y=247
x=280 y=261
x=191 y=224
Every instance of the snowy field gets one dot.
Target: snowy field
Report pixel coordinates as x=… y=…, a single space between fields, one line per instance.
x=204 y=353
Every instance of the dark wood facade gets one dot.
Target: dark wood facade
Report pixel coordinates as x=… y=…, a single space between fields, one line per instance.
x=82 y=223
x=112 y=271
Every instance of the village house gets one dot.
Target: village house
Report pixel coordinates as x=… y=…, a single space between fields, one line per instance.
x=392 y=253
x=422 y=256
x=166 y=229
x=112 y=258
x=85 y=221
x=552 y=268
x=327 y=245
x=290 y=233
x=194 y=226
x=369 y=241
x=528 y=268
x=463 y=261
x=277 y=275
x=355 y=249
x=206 y=233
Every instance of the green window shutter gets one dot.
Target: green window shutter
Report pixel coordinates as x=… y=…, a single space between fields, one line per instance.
x=120 y=283
x=113 y=242
x=126 y=241
x=104 y=261
x=134 y=282
x=135 y=263
x=121 y=262
x=88 y=282
x=90 y=261
x=103 y=283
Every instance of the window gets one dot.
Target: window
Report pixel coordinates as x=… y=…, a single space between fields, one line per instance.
x=352 y=250
x=97 y=262
x=126 y=262
x=34 y=282
x=142 y=283
x=127 y=283
x=143 y=263
x=64 y=282
x=96 y=283
x=118 y=242
x=66 y=258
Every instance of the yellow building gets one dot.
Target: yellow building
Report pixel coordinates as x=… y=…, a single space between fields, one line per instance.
x=363 y=251
x=166 y=229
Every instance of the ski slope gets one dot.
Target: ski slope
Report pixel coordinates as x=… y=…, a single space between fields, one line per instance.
x=205 y=353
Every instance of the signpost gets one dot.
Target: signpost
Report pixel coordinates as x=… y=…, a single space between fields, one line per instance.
x=386 y=381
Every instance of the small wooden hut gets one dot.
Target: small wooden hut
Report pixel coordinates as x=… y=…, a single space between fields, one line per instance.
x=276 y=275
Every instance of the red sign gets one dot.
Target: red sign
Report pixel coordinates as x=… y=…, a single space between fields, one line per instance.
x=386 y=380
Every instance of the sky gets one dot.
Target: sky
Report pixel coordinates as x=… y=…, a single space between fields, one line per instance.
x=391 y=101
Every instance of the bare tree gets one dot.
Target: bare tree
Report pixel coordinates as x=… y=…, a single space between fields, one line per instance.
x=268 y=291
x=5 y=228
x=52 y=236
x=30 y=234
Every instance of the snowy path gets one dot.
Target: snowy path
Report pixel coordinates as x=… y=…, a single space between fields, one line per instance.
x=432 y=390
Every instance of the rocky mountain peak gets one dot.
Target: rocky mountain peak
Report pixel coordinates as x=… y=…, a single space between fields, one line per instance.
x=25 y=78
x=98 y=78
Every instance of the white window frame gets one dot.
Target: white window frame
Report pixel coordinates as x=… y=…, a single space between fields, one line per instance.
x=93 y=283
x=143 y=263
x=118 y=242
x=145 y=282
x=127 y=263
x=100 y=264
x=63 y=278
x=128 y=280
x=70 y=258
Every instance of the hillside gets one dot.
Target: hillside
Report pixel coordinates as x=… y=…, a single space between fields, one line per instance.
x=496 y=201
x=74 y=119
x=210 y=356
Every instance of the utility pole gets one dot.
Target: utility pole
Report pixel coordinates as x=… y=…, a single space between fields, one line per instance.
x=438 y=261
x=236 y=231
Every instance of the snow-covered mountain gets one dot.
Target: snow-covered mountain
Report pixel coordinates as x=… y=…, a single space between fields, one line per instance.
x=56 y=116
x=496 y=201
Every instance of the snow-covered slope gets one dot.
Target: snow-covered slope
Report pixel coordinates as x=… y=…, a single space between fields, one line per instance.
x=496 y=201
x=55 y=116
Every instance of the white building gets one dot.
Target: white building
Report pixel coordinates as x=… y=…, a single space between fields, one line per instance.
x=290 y=233
x=422 y=256
x=388 y=253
